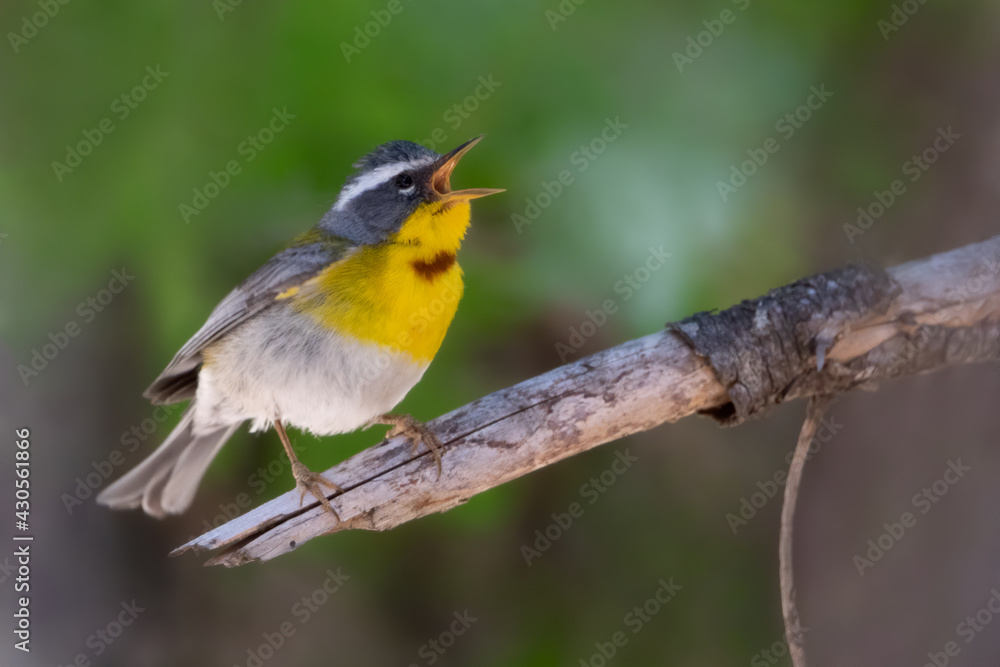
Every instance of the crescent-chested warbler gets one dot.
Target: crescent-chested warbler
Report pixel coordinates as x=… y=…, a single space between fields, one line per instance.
x=328 y=336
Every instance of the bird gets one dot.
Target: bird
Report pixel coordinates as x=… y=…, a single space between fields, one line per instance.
x=328 y=336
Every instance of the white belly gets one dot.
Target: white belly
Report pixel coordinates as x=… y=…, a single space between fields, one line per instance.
x=282 y=365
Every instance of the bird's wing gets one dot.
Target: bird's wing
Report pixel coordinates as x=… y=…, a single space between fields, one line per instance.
x=289 y=268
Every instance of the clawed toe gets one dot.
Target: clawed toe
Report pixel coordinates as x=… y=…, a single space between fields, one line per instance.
x=416 y=433
x=308 y=481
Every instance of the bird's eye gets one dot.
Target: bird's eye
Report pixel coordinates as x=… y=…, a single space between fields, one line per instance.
x=404 y=181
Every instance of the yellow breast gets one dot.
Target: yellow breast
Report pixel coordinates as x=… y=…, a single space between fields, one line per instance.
x=401 y=294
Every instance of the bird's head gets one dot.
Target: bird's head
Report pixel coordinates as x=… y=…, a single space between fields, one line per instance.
x=402 y=192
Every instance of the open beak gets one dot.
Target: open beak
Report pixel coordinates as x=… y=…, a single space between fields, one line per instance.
x=441 y=178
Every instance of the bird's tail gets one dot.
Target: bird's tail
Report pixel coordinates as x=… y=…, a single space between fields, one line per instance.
x=165 y=483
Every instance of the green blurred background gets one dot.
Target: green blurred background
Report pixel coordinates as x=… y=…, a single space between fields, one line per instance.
x=557 y=73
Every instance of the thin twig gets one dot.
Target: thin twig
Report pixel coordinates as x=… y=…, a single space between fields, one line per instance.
x=793 y=624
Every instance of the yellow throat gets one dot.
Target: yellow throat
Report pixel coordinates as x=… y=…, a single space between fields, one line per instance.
x=401 y=294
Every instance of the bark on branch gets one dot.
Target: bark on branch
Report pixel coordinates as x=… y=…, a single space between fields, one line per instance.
x=823 y=335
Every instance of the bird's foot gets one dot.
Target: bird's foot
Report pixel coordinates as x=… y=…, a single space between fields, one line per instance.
x=414 y=431
x=307 y=480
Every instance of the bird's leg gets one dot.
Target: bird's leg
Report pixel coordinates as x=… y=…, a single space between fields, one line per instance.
x=415 y=431
x=306 y=479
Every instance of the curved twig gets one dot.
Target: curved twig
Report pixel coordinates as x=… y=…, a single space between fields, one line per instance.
x=794 y=633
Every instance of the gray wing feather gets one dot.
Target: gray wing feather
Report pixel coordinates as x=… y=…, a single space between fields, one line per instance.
x=289 y=268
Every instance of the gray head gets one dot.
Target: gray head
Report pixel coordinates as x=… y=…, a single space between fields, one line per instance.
x=390 y=183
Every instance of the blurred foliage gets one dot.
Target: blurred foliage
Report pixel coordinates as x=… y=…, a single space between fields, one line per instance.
x=556 y=86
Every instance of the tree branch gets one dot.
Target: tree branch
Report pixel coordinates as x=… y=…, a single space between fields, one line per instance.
x=824 y=335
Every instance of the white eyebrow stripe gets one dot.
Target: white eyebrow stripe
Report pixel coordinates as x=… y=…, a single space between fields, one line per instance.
x=376 y=177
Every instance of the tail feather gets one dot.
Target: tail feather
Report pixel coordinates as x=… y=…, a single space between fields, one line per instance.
x=165 y=483
x=152 y=494
x=179 y=490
